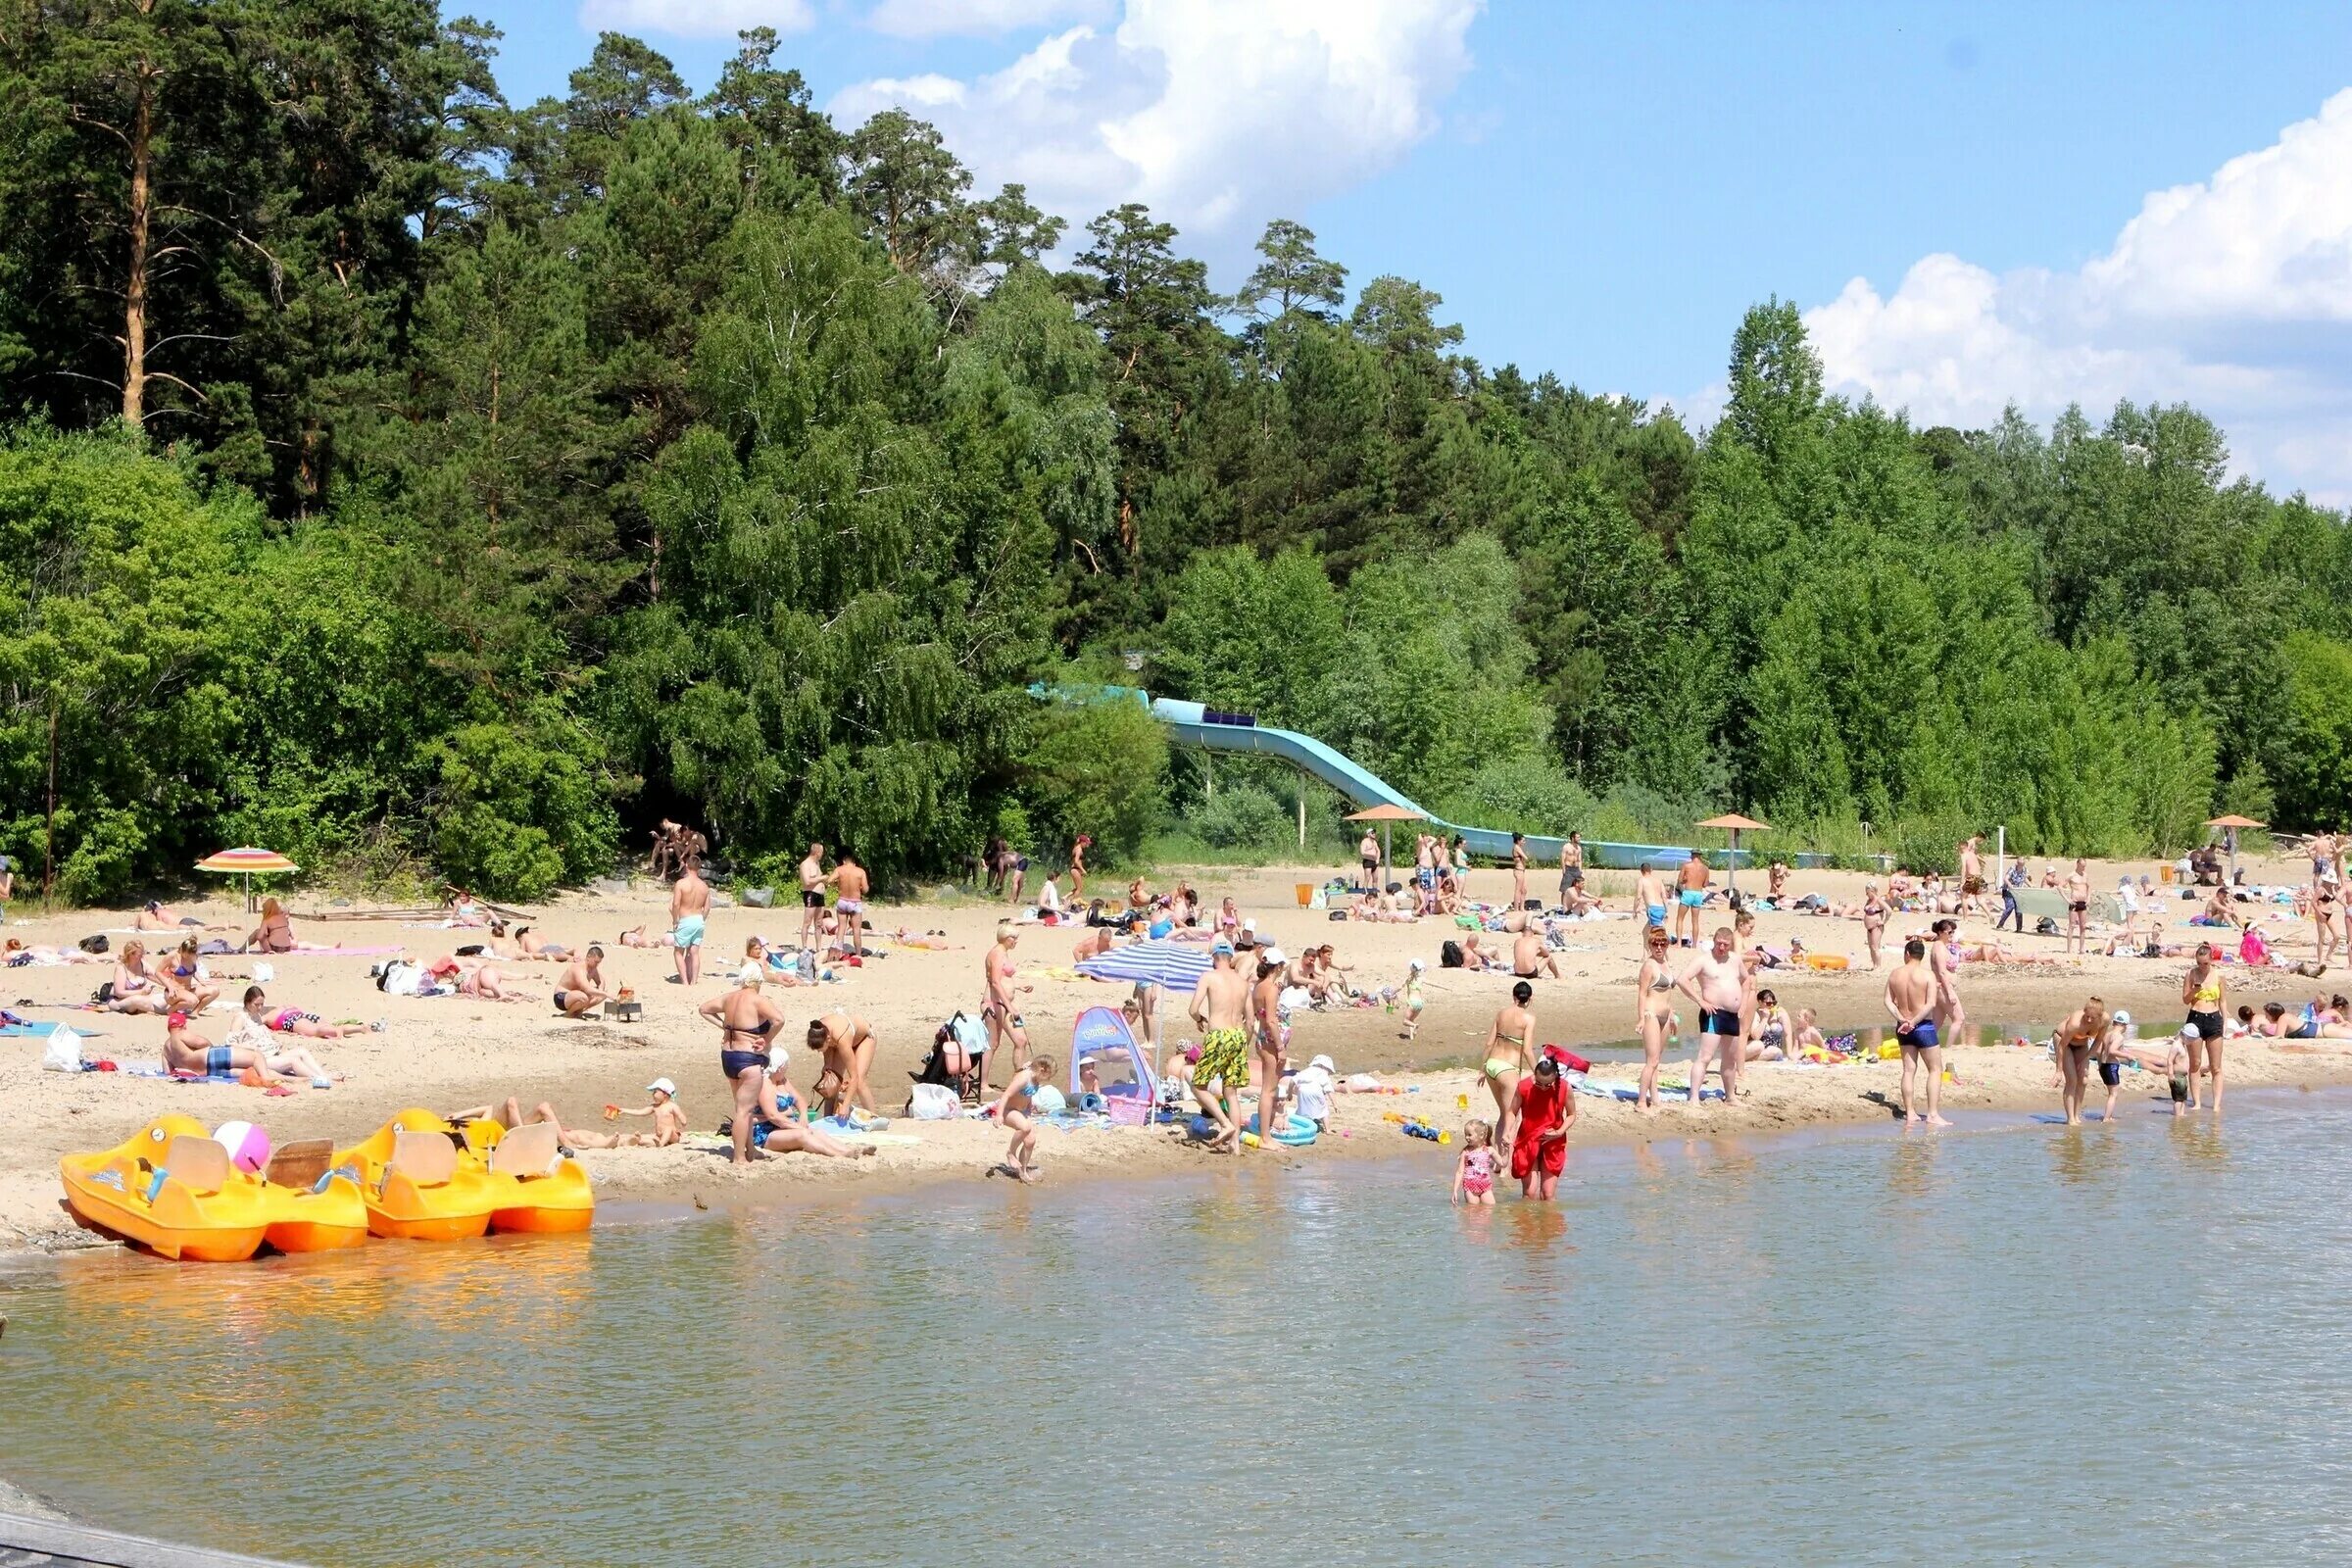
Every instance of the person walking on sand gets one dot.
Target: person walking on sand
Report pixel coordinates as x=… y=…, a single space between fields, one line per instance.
x=1367 y=857
x=1718 y=983
x=2077 y=908
x=1078 y=847
x=2075 y=1041
x=1572 y=867
x=1005 y=1026
x=1911 y=997
x=1649 y=891
x=2011 y=910
x=689 y=908
x=1943 y=962
x=1972 y=865
x=850 y=885
x=1413 y=1000
x=1518 y=870
x=1690 y=896
x=1265 y=1020
x=1547 y=1113
x=813 y=897
x=1220 y=1011
x=1873 y=920
x=581 y=985
x=1654 y=1012
x=1510 y=1050
x=2204 y=992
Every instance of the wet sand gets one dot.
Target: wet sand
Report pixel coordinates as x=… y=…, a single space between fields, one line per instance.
x=450 y=1052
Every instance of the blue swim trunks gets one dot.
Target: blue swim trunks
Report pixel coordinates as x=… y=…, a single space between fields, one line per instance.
x=1693 y=898
x=217 y=1062
x=1657 y=915
x=1921 y=1038
x=690 y=931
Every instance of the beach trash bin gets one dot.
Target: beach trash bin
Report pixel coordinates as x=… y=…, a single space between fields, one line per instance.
x=2164 y=874
x=1305 y=892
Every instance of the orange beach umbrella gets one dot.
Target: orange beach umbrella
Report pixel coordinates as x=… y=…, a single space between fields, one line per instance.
x=1735 y=825
x=247 y=862
x=2230 y=822
x=1384 y=814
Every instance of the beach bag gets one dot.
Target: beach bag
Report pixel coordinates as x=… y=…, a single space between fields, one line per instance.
x=64 y=1052
x=1569 y=1060
x=96 y=943
x=1450 y=956
x=2046 y=926
x=104 y=993
x=933 y=1103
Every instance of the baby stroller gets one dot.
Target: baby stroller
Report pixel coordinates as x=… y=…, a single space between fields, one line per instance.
x=959 y=1035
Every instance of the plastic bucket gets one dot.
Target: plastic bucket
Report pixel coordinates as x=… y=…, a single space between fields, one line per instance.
x=1305 y=892
x=2164 y=874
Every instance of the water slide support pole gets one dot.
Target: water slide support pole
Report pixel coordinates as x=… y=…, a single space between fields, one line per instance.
x=1301 y=773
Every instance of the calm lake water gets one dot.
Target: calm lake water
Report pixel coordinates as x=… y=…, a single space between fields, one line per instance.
x=2012 y=1343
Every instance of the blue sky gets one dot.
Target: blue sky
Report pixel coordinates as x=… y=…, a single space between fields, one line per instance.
x=1601 y=192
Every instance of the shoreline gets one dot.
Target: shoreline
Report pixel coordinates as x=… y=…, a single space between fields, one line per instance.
x=447 y=1052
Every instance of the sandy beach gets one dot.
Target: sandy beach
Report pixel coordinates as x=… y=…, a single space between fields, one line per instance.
x=450 y=1052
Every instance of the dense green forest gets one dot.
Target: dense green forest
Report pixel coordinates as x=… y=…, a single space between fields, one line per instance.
x=421 y=483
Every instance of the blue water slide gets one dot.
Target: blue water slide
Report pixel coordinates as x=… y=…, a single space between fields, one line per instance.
x=1194 y=724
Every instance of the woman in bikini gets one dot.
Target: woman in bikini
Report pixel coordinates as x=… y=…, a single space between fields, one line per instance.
x=2324 y=911
x=275 y=933
x=1508 y=1056
x=1873 y=920
x=135 y=991
x=2206 y=994
x=185 y=982
x=1654 y=1012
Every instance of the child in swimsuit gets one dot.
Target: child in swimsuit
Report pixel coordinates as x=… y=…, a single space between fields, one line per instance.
x=1414 y=1001
x=1475 y=1172
x=1016 y=1113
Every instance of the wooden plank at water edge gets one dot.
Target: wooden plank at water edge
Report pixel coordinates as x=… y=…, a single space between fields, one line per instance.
x=39 y=1543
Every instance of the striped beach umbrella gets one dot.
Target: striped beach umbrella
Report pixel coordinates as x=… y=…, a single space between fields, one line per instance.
x=1177 y=965
x=248 y=863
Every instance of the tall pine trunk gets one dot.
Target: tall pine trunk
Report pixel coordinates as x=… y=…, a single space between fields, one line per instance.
x=142 y=202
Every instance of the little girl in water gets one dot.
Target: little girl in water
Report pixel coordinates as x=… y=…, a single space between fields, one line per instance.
x=1474 y=1174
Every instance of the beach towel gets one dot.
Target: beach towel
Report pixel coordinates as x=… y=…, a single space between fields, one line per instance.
x=41 y=1031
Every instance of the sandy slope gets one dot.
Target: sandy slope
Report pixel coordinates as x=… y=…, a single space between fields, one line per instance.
x=450 y=1052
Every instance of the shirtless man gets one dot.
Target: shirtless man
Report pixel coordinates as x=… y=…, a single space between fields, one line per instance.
x=844 y=1046
x=850 y=884
x=1943 y=962
x=1530 y=958
x=1690 y=896
x=1911 y=997
x=1265 y=1020
x=666 y=850
x=185 y=1051
x=1572 y=867
x=1367 y=857
x=2077 y=908
x=2075 y=1038
x=812 y=895
x=1219 y=1009
x=1718 y=983
x=1425 y=872
x=1518 y=870
x=582 y=985
x=1971 y=867
x=689 y=906
x=1649 y=891
x=1004 y=1027
x=748 y=1023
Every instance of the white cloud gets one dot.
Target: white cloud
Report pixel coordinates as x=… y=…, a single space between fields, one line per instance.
x=1218 y=113
x=932 y=19
x=699 y=19
x=2233 y=294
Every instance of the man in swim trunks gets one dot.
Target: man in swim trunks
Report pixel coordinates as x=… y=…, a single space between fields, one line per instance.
x=1219 y=1009
x=748 y=1023
x=995 y=1001
x=1911 y=997
x=1649 y=891
x=1530 y=958
x=813 y=897
x=1718 y=983
x=2077 y=908
x=1572 y=865
x=850 y=885
x=689 y=906
x=1690 y=896
x=582 y=985
x=1367 y=857
x=185 y=1051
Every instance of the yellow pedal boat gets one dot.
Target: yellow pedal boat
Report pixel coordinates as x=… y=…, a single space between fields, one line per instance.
x=416 y=1184
x=172 y=1190
x=537 y=1188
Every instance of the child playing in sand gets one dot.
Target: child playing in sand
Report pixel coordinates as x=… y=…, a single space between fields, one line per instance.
x=1016 y=1113
x=1475 y=1172
x=669 y=1122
